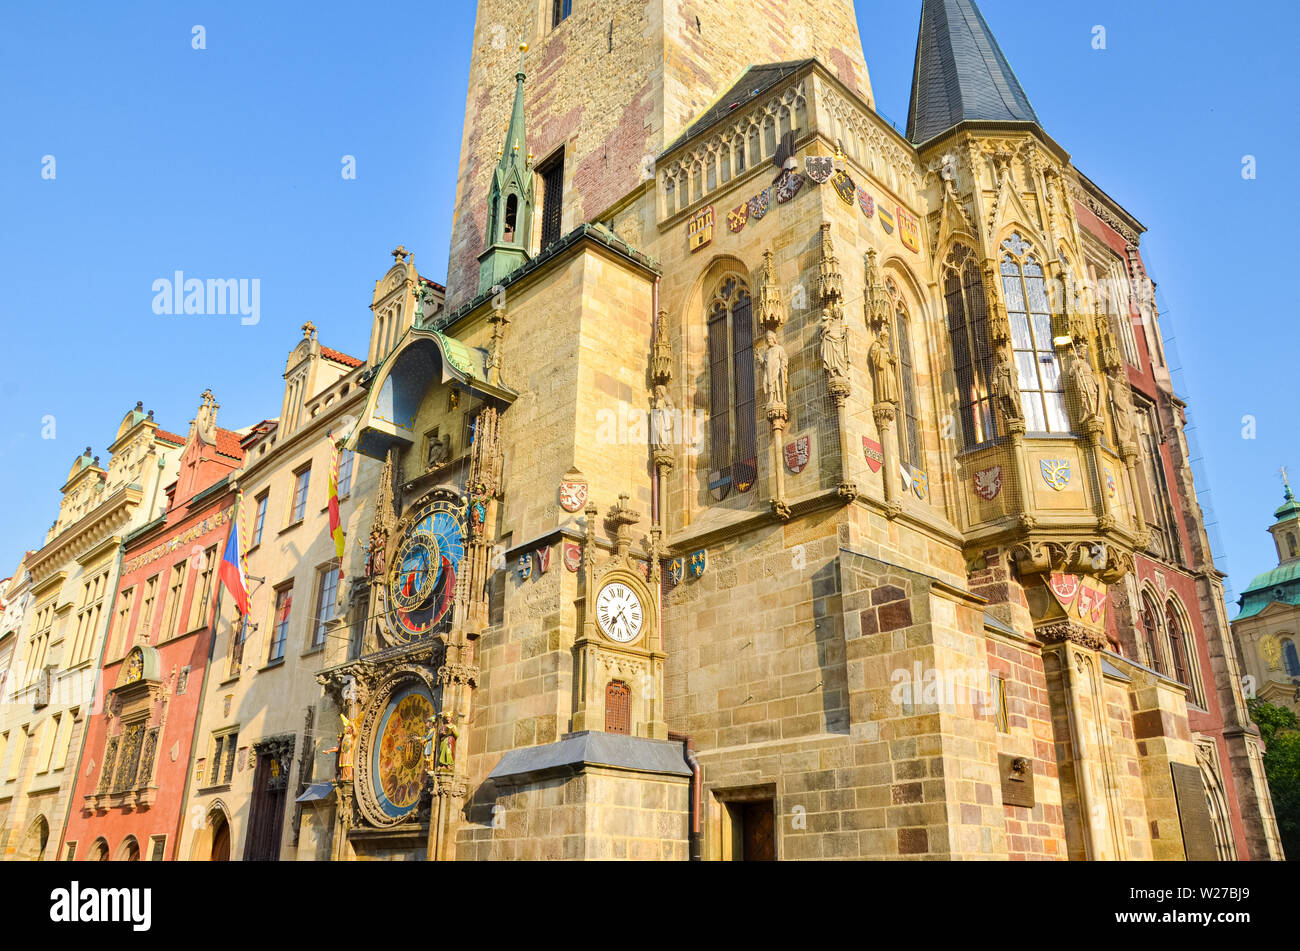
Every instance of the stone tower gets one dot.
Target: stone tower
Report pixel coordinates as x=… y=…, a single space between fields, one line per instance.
x=613 y=85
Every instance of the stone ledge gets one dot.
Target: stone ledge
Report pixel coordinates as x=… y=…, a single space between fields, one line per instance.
x=576 y=751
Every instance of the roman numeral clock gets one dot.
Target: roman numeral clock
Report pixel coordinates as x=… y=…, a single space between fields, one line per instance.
x=618 y=657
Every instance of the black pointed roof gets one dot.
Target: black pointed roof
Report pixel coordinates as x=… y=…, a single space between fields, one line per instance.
x=961 y=73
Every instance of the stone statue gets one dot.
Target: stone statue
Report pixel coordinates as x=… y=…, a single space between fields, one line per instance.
x=439 y=452
x=776 y=372
x=205 y=421
x=345 y=747
x=375 y=553
x=1087 y=388
x=1006 y=391
x=662 y=420
x=884 y=363
x=1122 y=404
x=835 y=345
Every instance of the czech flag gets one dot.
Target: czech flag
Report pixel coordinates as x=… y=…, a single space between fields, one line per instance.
x=231 y=572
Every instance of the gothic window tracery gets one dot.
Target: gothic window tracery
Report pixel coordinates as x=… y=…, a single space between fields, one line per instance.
x=1038 y=368
x=967 y=315
x=733 y=427
x=909 y=441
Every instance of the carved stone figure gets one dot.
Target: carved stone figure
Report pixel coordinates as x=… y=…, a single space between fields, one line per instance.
x=1086 y=386
x=439 y=452
x=776 y=372
x=1122 y=404
x=884 y=365
x=835 y=345
x=1006 y=391
x=205 y=421
x=345 y=748
x=662 y=420
x=375 y=554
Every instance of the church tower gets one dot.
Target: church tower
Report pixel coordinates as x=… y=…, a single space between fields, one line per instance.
x=617 y=82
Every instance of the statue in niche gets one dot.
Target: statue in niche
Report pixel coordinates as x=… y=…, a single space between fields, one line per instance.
x=439 y=452
x=1006 y=391
x=662 y=419
x=1086 y=386
x=776 y=372
x=884 y=363
x=835 y=345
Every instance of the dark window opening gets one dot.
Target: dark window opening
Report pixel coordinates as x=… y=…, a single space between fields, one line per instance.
x=552 y=176
x=560 y=10
x=512 y=214
x=971 y=354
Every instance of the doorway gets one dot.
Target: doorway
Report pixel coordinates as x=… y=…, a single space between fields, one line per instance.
x=220 y=839
x=749 y=827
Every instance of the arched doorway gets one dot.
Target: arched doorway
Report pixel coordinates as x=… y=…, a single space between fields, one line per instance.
x=220 y=829
x=32 y=848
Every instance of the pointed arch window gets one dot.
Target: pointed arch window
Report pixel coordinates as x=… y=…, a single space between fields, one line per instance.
x=512 y=215
x=1182 y=649
x=972 y=357
x=1042 y=385
x=1149 y=621
x=909 y=441
x=733 y=426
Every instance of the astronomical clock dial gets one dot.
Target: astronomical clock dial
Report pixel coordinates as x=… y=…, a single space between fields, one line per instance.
x=620 y=615
x=422 y=578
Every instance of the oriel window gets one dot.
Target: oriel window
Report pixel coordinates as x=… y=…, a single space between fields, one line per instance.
x=972 y=357
x=1042 y=385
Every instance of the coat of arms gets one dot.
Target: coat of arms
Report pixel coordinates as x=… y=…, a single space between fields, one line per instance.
x=525 y=566
x=572 y=556
x=543 y=558
x=1110 y=481
x=1056 y=473
x=573 y=491
x=886 y=221
x=759 y=204
x=819 y=168
x=866 y=202
x=988 y=483
x=677 y=570
x=909 y=230
x=736 y=219
x=788 y=187
x=797 y=453
x=699 y=561
x=746 y=474
x=720 y=483
x=874 y=452
x=917 y=480
x=699 y=231
x=1064 y=587
x=844 y=187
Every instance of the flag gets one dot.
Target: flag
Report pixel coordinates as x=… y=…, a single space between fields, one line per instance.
x=232 y=571
x=336 y=524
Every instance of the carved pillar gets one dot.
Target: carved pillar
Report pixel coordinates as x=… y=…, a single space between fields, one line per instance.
x=663 y=414
x=776 y=377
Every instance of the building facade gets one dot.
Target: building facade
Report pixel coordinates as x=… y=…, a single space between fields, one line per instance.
x=55 y=674
x=129 y=792
x=811 y=488
x=1267 y=627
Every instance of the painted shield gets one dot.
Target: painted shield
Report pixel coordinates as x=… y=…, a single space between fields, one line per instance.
x=909 y=230
x=988 y=483
x=746 y=473
x=1092 y=603
x=699 y=231
x=736 y=219
x=874 y=452
x=1056 y=473
x=760 y=203
x=543 y=557
x=1064 y=587
x=886 y=220
x=677 y=570
x=789 y=186
x=920 y=483
x=699 y=562
x=844 y=187
x=797 y=453
x=720 y=483
x=866 y=202
x=573 y=494
x=525 y=566
x=1110 y=481
x=572 y=556
x=819 y=168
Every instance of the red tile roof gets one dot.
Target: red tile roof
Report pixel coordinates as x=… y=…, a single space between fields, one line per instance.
x=339 y=357
x=169 y=437
x=228 y=444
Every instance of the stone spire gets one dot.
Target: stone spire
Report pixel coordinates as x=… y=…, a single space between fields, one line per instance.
x=961 y=73
x=510 y=197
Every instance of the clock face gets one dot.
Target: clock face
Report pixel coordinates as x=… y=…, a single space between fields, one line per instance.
x=422 y=581
x=619 y=613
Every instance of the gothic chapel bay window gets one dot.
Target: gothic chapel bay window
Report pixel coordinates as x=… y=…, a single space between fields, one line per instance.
x=972 y=357
x=733 y=426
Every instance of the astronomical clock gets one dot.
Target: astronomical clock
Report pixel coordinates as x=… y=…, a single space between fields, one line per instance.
x=421 y=584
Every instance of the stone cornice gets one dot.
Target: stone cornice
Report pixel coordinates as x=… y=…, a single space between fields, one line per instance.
x=105 y=521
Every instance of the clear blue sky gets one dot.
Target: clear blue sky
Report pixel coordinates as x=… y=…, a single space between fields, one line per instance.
x=226 y=163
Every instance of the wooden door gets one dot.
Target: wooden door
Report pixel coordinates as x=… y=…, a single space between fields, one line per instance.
x=758 y=832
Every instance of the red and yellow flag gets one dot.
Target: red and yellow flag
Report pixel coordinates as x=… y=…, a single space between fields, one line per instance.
x=336 y=524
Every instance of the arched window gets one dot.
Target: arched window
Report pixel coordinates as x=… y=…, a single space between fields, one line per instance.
x=972 y=357
x=909 y=442
x=1176 y=645
x=1290 y=659
x=98 y=851
x=512 y=215
x=1182 y=649
x=1149 y=620
x=733 y=426
x=129 y=851
x=1292 y=551
x=1042 y=386
x=618 y=707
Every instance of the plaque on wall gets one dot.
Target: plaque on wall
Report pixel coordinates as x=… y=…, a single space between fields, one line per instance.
x=1017 y=774
x=1194 y=814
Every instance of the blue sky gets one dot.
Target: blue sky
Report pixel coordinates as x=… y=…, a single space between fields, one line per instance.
x=226 y=162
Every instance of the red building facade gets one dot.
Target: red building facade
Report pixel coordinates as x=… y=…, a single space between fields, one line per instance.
x=132 y=779
x=1171 y=616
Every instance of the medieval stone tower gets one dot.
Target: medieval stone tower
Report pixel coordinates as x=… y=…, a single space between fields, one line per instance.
x=611 y=85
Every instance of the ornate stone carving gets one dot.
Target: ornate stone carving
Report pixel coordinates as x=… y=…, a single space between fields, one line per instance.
x=1006 y=394
x=876 y=306
x=205 y=421
x=884 y=365
x=835 y=352
x=776 y=377
x=1121 y=401
x=1061 y=631
x=465 y=674
x=771 y=309
x=1086 y=389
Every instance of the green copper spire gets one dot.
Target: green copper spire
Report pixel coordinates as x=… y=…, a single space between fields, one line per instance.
x=510 y=199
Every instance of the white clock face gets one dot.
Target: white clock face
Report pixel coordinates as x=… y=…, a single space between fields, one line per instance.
x=619 y=613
